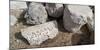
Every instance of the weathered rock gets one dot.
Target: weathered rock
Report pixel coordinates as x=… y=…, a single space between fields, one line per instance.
x=75 y=16
x=17 y=8
x=13 y=20
x=36 y=14
x=17 y=5
x=54 y=10
x=39 y=33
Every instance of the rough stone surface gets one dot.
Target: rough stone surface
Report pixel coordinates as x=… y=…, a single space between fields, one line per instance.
x=13 y=20
x=36 y=14
x=54 y=10
x=39 y=33
x=75 y=16
x=17 y=5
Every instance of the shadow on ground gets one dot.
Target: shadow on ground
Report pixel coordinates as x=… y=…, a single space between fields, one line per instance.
x=20 y=37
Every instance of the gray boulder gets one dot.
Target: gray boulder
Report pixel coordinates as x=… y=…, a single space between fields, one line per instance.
x=36 y=14
x=54 y=10
x=75 y=16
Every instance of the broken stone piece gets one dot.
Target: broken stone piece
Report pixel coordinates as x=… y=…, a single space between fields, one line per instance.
x=54 y=10
x=75 y=16
x=13 y=20
x=36 y=14
x=39 y=33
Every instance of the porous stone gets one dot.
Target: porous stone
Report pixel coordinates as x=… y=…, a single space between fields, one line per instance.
x=36 y=14
x=75 y=16
x=13 y=20
x=39 y=33
x=54 y=10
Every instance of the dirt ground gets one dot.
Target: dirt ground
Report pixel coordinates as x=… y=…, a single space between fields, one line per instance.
x=64 y=38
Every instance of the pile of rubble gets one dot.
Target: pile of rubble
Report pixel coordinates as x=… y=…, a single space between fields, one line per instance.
x=42 y=19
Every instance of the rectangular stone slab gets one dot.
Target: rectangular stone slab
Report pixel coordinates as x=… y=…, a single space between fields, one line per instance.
x=39 y=33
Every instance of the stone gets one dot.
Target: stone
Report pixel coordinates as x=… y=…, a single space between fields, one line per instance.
x=39 y=33
x=13 y=20
x=36 y=14
x=54 y=10
x=18 y=5
x=17 y=8
x=75 y=16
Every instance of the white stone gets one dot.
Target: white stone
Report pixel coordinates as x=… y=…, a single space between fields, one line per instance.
x=13 y=20
x=54 y=10
x=18 y=5
x=75 y=16
x=39 y=33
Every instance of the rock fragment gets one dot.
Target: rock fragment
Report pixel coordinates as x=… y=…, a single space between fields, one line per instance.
x=13 y=20
x=36 y=14
x=54 y=10
x=39 y=33
x=75 y=16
